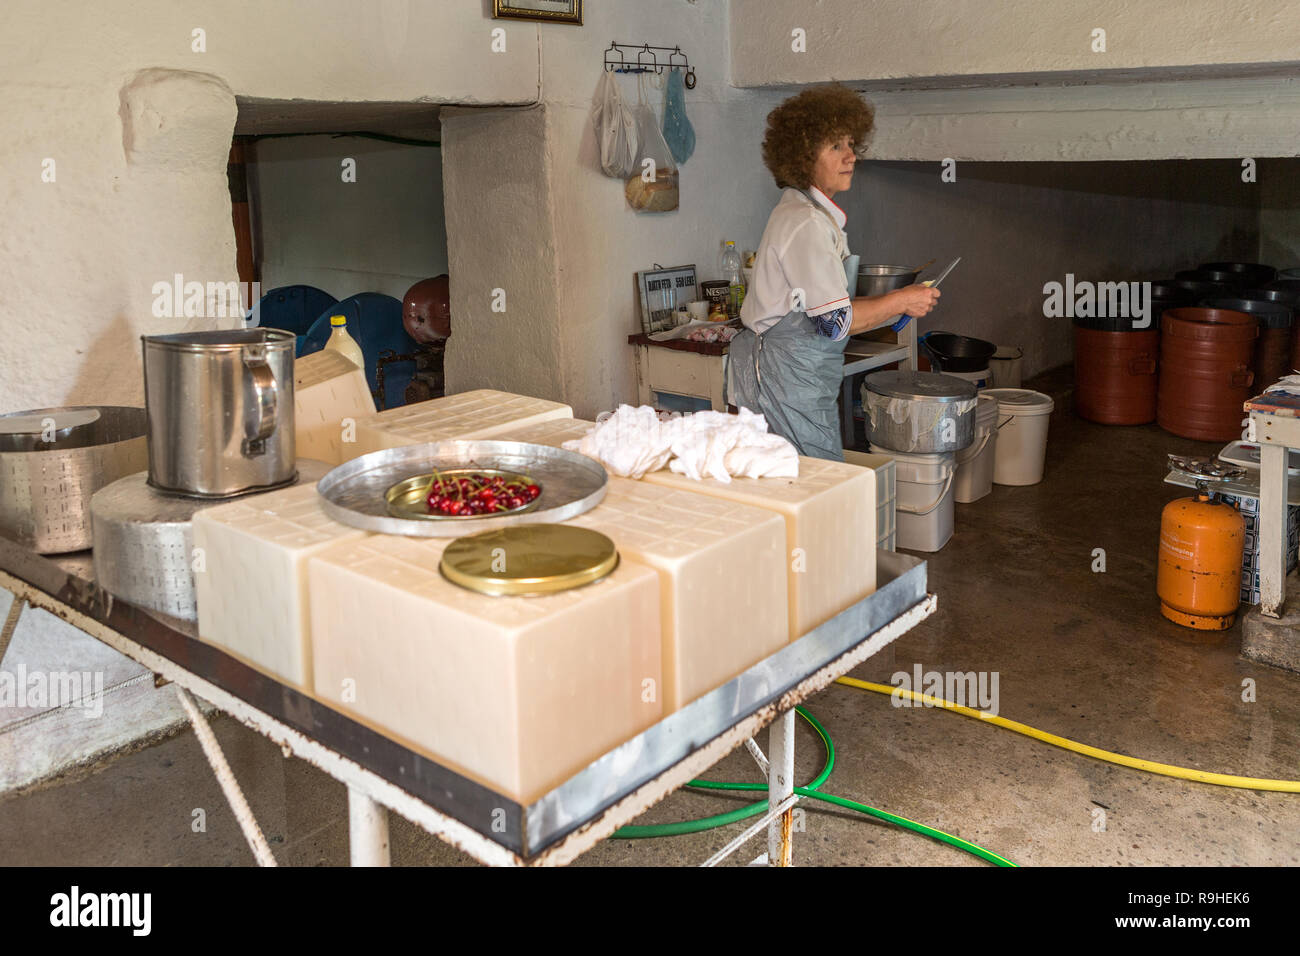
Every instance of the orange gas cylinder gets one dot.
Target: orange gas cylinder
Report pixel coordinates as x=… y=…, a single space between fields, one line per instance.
x=1198 y=578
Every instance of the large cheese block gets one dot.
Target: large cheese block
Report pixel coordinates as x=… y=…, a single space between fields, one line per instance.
x=519 y=693
x=251 y=587
x=830 y=521
x=721 y=565
x=482 y=413
x=722 y=569
x=553 y=432
x=330 y=395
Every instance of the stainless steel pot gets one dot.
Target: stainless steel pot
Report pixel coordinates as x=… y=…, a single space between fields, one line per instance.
x=50 y=469
x=220 y=410
x=877 y=279
x=918 y=412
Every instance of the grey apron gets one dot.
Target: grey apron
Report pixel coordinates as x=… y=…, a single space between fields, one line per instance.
x=791 y=375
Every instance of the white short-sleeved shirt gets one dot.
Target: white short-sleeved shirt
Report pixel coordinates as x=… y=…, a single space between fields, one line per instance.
x=802 y=248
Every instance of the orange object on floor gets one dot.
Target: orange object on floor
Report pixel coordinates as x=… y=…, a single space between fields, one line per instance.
x=1198 y=578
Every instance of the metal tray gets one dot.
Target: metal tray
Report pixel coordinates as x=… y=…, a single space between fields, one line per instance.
x=354 y=493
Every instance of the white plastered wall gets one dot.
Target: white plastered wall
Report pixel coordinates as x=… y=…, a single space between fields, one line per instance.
x=988 y=42
x=138 y=124
x=566 y=255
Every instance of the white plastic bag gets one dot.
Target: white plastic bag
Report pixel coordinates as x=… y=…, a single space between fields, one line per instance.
x=652 y=185
x=615 y=129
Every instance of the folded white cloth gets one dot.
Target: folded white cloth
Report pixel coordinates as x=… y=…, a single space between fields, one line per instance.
x=634 y=441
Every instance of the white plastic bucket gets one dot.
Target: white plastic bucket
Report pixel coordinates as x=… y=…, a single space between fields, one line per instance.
x=924 y=509
x=1004 y=366
x=980 y=379
x=975 y=464
x=1023 y=415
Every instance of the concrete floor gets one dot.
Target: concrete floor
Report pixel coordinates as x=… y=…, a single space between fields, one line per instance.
x=1082 y=654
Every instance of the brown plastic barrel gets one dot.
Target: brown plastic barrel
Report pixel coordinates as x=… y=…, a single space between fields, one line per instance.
x=1205 y=372
x=1115 y=375
x=1272 y=356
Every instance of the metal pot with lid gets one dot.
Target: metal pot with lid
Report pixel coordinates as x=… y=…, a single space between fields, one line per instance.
x=220 y=410
x=919 y=412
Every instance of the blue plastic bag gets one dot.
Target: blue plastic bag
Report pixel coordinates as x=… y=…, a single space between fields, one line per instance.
x=678 y=130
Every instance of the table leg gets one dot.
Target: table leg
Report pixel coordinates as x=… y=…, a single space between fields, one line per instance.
x=11 y=624
x=780 y=785
x=367 y=830
x=1272 y=528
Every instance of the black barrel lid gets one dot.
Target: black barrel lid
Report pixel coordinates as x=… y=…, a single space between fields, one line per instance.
x=1246 y=273
x=1271 y=315
x=1217 y=276
x=1126 y=324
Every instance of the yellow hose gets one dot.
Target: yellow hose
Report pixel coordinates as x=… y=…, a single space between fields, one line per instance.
x=1185 y=773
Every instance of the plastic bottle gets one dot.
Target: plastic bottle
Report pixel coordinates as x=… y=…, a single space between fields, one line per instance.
x=730 y=264
x=343 y=343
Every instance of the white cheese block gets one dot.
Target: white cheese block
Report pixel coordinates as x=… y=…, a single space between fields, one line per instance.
x=330 y=395
x=554 y=432
x=830 y=522
x=721 y=565
x=252 y=586
x=519 y=693
x=482 y=413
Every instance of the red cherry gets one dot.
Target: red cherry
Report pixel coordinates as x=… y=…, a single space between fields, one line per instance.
x=532 y=491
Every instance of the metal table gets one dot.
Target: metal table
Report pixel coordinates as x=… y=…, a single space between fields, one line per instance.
x=382 y=775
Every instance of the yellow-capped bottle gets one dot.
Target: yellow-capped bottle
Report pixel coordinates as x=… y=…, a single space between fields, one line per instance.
x=343 y=343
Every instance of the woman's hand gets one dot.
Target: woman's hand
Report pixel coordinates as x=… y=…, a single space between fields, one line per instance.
x=873 y=312
x=914 y=300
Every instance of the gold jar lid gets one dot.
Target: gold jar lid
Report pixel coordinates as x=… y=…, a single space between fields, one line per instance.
x=529 y=559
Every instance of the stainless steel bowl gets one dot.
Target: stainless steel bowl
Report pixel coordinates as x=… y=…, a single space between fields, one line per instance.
x=879 y=279
x=46 y=486
x=355 y=493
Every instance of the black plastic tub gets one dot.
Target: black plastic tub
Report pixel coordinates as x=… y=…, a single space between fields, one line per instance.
x=950 y=352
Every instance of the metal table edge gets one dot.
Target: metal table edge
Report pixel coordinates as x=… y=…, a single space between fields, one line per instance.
x=901 y=586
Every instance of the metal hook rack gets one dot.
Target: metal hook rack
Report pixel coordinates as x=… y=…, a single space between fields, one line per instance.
x=647 y=60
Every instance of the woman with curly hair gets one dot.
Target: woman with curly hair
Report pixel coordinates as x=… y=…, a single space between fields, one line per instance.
x=787 y=363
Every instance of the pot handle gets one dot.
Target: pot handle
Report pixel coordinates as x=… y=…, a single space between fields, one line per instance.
x=1241 y=377
x=266 y=398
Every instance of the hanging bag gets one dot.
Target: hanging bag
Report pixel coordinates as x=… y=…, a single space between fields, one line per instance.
x=678 y=131
x=652 y=186
x=615 y=129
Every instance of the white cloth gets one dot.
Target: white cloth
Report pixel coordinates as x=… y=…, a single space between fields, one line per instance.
x=803 y=248
x=634 y=441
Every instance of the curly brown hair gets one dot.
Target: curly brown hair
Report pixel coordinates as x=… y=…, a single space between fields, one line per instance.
x=799 y=128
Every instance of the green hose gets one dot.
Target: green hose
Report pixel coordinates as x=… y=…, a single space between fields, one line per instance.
x=653 y=830
x=754 y=809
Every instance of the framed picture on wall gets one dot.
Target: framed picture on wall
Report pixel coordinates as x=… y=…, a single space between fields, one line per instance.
x=547 y=11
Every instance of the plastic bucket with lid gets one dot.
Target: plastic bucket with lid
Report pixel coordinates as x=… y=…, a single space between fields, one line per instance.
x=924 y=510
x=1023 y=415
x=1004 y=367
x=975 y=464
